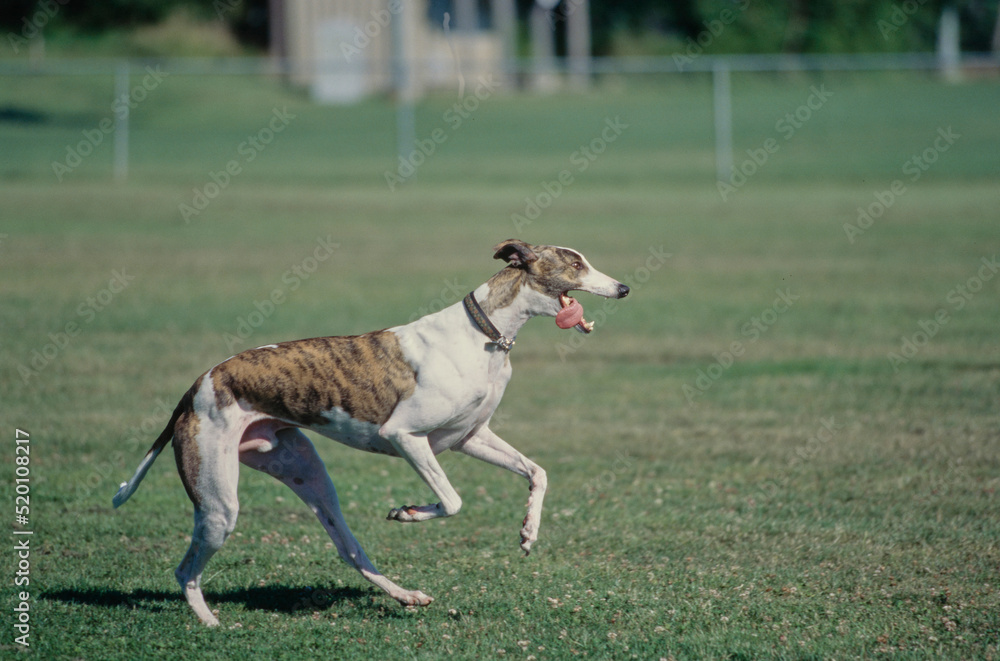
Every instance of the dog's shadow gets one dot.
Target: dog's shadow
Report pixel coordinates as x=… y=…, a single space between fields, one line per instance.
x=274 y=598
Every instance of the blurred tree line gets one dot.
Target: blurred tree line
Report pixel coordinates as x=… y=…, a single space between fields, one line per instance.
x=630 y=27
x=797 y=26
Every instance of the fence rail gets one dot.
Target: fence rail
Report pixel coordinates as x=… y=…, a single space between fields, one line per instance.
x=677 y=63
x=719 y=67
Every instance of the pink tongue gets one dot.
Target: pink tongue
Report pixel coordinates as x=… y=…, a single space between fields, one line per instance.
x=570 y=315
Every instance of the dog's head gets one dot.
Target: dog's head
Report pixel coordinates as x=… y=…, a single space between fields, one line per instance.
x=553 y=272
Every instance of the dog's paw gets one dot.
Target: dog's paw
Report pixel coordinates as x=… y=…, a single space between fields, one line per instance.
x=527 y=542
x=209 y=619
x=414 y=598
x=412 y=513
x=404 y=514
x=529 y=535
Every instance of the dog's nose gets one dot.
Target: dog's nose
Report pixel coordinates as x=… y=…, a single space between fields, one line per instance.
x=623 y=291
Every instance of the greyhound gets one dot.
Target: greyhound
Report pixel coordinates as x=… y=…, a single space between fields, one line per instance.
x=410 y=391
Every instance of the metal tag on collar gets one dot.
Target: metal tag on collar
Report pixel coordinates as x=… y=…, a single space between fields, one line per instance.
x=505 y=343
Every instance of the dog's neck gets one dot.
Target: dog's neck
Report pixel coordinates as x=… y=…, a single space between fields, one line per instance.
x=509 y=300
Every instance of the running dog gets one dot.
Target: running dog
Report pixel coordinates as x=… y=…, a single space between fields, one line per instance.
x=410 y=391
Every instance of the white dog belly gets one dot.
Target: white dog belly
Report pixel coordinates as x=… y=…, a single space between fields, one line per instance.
x=352 y=432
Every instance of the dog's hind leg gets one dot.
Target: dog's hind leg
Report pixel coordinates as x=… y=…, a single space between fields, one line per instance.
x=209 y=466
x=290 y=457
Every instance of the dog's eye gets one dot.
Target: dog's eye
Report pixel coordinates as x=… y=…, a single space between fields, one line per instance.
x=577 y=265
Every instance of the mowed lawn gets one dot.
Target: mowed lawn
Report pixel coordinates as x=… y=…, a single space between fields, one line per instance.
x=783 y=444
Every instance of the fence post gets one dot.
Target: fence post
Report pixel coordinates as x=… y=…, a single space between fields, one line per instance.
x=122 y=113
x=949 y=50
x=402 y=81
x=578 y=42
x=723 y=111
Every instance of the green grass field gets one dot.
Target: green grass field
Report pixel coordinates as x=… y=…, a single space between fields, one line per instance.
x=799 y=495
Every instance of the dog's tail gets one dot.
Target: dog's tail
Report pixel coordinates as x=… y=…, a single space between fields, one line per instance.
x=126 y=489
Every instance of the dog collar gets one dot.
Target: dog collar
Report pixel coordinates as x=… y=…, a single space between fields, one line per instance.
x=483 y=322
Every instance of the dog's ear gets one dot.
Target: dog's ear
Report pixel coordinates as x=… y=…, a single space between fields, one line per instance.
x=514 y=251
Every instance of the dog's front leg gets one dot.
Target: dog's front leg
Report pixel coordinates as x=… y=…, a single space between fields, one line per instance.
x=487 y=446
x=417 y=451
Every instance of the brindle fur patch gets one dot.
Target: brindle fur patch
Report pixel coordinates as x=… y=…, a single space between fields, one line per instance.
x=185 y=442
x=551 y=274
x=554 y=272
x=365 y=375
x=504 y=287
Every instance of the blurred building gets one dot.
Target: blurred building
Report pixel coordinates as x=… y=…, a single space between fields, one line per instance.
x=344 y=50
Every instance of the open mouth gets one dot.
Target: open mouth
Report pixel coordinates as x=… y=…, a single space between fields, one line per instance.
x=571 y=315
